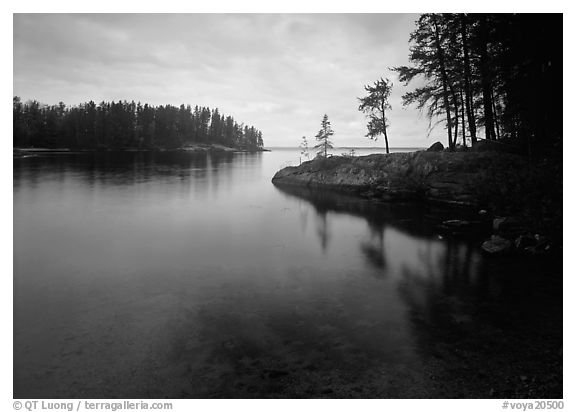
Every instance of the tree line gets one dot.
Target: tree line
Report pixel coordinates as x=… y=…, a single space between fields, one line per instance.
x=123 y=124
x=501 y=73
x=496 y=76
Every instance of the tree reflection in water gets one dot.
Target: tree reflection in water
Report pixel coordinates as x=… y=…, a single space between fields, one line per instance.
x=484 y=327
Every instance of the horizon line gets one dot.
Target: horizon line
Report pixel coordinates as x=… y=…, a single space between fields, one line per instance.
x=350 y=147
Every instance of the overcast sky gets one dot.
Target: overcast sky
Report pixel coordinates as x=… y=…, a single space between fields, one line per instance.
x=277 y=72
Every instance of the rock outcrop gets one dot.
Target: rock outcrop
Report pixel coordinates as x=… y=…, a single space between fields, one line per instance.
x=464 y=178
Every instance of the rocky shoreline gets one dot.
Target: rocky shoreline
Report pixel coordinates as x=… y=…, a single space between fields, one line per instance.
x=438 y=177
x=483 y=182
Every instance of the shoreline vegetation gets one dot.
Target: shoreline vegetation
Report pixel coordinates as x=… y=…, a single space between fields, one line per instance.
x=128 y=126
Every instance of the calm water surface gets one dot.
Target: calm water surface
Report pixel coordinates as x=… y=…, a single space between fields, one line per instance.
x=180 y=275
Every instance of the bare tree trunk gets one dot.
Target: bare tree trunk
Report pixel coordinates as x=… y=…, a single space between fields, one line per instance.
x=384 y=123
x=485 y=78
x=456 y=114
x=456 y=117
x=463 y=121
x=386 y=140
x=467 y=75
x=444 y=76
x=495 y=117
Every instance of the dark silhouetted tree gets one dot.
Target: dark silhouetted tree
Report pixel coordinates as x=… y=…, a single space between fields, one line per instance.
x=429 y=61
x=501 y=72
x=375 y=106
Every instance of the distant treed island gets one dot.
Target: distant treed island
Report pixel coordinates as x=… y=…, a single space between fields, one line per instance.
x=127 y=125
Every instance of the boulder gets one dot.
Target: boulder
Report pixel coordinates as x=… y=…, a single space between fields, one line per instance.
x=497 y=245
x=436 y=147
x=510 y=227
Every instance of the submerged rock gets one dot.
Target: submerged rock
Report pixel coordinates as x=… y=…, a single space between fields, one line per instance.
x=536 y=245
x=497 y=245
x=456 y=226
x=523 y=242
x=506 y=223
x=456 y=223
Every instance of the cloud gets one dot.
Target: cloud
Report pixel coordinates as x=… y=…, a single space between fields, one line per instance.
x=278 y=72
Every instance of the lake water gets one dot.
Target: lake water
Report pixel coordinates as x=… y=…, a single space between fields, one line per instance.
x=152 y=275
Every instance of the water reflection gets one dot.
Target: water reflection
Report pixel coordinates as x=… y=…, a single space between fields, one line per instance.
x=475 y=330
x=373 y=249
x=205 y=171
x=181 y=275
x=419 y=222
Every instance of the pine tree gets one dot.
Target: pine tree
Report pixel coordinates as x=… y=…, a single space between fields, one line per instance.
x=323 y=137
x=431 y=61
x=304 y=147
x=375 y=106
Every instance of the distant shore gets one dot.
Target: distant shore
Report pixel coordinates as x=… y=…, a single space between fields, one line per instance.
x=336 y=149
x=21 y=152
